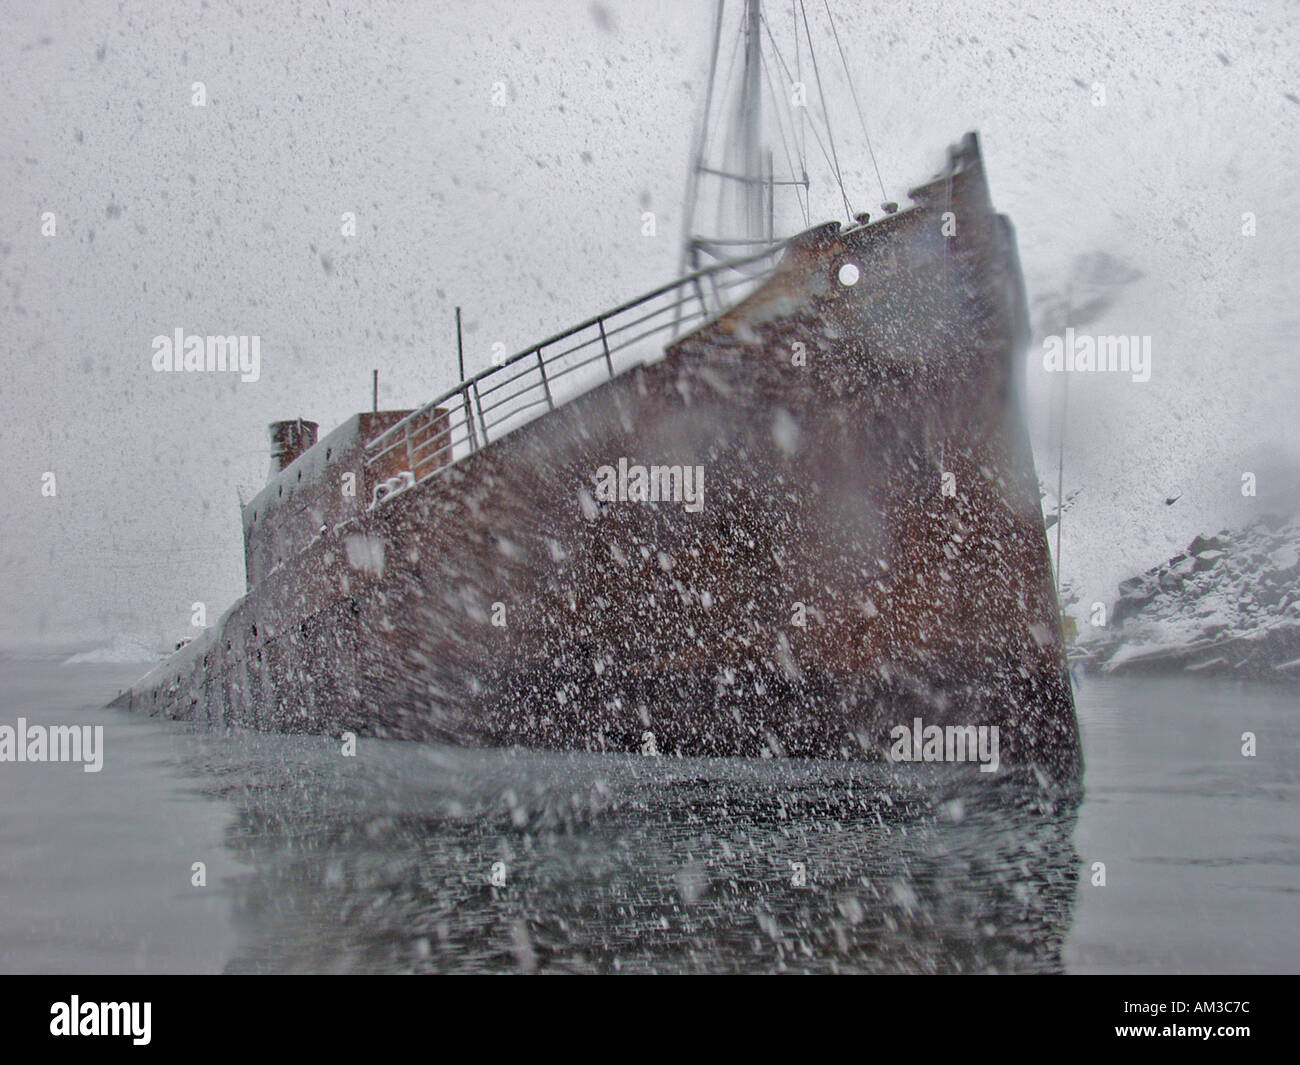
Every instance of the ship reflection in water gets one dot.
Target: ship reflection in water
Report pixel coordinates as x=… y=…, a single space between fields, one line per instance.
x=419 y=859
x=384 y=861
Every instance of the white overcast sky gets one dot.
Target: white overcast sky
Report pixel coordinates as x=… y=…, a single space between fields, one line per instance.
x=225 y=219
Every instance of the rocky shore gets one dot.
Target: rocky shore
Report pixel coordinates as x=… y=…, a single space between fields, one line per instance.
x=1228 y=605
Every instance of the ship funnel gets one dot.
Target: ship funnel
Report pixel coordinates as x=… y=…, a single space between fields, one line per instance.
x=290 y=439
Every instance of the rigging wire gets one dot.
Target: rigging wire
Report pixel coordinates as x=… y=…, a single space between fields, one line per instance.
x=708 y=133
x=1060 y=464
x=785 y=147
x=693 y=180
x=725 y=84
x=713 y=71
x=825 y=155
x=849 y=76
x=802 y=142
x=830 y=133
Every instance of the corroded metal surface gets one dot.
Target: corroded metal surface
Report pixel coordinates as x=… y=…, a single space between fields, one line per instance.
x=866 y=471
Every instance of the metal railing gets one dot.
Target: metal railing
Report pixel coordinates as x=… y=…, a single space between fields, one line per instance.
x=546 y=375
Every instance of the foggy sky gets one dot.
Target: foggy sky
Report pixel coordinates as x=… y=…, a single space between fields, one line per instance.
x=225 y=219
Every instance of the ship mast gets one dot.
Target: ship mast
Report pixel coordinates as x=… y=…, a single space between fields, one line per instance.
x=749 y=121
x=736 y=180
x=731 y=188
x=732 y=185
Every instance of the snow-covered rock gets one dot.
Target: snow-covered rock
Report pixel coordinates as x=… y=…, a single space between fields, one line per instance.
x=1229 y=604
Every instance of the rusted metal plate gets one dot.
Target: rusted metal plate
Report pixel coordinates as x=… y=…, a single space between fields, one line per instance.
x=869 y=549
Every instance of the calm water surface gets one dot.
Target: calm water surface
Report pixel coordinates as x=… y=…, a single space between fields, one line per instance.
x=385 y=861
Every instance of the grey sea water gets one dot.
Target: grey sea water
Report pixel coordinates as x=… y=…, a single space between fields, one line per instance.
x=413 y=858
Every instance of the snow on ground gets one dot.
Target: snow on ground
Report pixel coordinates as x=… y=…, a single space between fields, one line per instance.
x=121 y=650
x=1229 y=603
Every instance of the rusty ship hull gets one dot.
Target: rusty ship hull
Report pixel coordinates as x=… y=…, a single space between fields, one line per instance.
x=870 y=548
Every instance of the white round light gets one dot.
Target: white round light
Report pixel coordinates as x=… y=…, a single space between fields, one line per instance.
x=849 y=275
